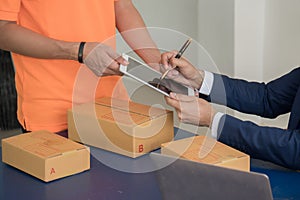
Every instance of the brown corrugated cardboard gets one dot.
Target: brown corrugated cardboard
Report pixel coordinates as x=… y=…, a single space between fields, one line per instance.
x=123 y=127
x=45 y=155
x=207 y=150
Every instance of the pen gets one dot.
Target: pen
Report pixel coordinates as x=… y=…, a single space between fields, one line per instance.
x=178 y=55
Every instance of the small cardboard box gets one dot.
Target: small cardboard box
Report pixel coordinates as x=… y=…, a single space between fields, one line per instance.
x=45 y=155
x=207 y=150
x=120 y=126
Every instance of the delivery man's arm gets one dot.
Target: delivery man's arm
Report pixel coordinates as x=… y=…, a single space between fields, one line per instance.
x=132 y=27
x=26 y=42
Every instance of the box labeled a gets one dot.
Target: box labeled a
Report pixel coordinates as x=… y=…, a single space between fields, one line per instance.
x=45 y=155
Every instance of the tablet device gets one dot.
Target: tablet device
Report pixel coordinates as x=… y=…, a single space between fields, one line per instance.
x=150 y=77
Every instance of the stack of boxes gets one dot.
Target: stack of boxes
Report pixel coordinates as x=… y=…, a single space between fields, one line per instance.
x=119 y=126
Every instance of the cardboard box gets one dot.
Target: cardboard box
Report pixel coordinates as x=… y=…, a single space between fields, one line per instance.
x=119 y=126
x=45 y=155
x=207 y=150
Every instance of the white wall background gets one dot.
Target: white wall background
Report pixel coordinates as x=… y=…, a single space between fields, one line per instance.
x=282 y=37
x=281 y=43
x=257 y=40
x=267 y=43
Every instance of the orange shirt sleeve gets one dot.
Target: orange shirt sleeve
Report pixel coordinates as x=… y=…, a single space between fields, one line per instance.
x=9 y=9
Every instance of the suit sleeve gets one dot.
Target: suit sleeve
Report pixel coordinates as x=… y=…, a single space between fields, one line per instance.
x=267 y=143
x=266 y=100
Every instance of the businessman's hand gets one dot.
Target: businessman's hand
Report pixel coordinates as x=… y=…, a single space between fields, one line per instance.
x=182 y=71
x=192 y=110
x=102 y=59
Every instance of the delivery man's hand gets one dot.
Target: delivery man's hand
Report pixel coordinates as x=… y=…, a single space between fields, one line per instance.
x=102 y=59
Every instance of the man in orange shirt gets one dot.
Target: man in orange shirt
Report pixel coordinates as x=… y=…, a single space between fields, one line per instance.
x=51 y=38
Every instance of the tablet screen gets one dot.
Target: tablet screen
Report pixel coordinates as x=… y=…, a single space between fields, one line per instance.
x=143 y=73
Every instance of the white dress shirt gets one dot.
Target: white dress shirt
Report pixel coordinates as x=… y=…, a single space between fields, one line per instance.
x=206 y=90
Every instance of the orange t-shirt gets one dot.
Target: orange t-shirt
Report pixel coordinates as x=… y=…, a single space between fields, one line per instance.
x=48 y=88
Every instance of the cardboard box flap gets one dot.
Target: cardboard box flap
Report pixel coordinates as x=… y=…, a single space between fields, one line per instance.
x=121 y=117
x=68 y=152
x=90 y=111
x=132 y=107
x=44 y=144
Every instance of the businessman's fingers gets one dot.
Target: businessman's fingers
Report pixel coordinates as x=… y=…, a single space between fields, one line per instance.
x=165 y=57
x=186 y=107
x=191 y=109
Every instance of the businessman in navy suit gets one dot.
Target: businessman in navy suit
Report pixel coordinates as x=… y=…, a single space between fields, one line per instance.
x=280 y=96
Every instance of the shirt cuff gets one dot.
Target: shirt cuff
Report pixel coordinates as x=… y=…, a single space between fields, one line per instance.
x=207 y=83
x=215 y=124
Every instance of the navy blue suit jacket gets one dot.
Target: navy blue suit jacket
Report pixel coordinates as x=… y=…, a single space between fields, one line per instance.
x=281 y=96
